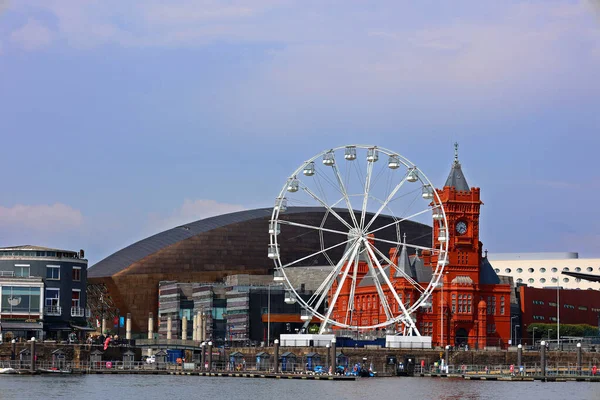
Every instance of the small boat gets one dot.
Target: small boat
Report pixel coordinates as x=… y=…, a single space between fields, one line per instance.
x=8 y=371
x=54 y=371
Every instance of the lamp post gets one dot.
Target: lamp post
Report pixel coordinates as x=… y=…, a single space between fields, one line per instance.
x=534 y=328
x=516 y=326
x=558 y=315
x=269 y=315
x=549 y=330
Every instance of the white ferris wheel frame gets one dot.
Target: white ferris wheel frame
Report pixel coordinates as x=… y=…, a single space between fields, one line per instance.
x=360 y=239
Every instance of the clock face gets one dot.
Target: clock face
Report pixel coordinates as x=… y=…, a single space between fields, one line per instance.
x=461 y=227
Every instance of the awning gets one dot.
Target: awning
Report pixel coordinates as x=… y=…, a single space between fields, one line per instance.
x=83 y=328
x=57 y=326
x=21 y=326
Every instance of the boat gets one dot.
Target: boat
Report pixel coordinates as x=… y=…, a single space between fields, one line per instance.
x=54 y=371
x=8 y=371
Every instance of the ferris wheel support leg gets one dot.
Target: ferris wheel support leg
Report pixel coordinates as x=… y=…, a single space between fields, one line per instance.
x=339 y=288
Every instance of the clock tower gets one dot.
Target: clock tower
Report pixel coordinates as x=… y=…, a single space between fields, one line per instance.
x=462 y=205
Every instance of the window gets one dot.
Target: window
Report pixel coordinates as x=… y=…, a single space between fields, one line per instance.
x=519 y=280
x=469 y=304
x=76 y=274
x=589 y=269
x=22 y=270
x=565 y=280
x=507 y=270
x=20 y=299
x=530 y=270
x=554 y=280
x=491 y=305
x=543 y=280
x=530 y=280
x=502 y=305
x=497 y=270
x=582 y=308
x=52 y=297
x=453 y=302
x=566 y=269
x=519 y=270
x=76 y=298
x=552 y=304
x=554 y=269
x=542 y=269
x=53 y=272
x=577 y=269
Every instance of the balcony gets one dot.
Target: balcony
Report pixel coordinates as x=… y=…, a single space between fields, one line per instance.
x=77 y=312
x=53 y=310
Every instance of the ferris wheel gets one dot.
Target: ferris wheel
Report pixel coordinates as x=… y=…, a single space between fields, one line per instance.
x=367 y=198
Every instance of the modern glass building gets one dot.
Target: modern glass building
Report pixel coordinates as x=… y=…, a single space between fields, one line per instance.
x=42 y=292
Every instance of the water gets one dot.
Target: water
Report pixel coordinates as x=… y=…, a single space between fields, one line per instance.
x=148 y=387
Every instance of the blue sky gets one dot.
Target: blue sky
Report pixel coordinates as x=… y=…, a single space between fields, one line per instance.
x=120 y=119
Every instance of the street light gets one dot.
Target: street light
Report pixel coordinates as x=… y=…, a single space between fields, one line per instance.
x=558 y=314
x=534 y=328
x=516 y=326
x=549 y=330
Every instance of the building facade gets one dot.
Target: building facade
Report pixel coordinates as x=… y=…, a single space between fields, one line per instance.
x=541 y=270
x=42 y=291
x=251 y=310
x=548 y=305
x=474 y=307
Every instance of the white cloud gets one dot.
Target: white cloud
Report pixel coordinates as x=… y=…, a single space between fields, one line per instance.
x=190 y=211
x=33 y=35
x=40 y=218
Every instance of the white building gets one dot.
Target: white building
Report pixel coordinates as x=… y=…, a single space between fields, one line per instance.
x=545 y=269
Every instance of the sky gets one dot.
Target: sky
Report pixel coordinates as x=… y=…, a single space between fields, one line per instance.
x=120 y=119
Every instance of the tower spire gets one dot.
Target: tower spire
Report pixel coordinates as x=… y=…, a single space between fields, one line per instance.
x=456 y=179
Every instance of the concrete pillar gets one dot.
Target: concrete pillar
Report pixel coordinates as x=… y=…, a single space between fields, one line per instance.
x=102 y=326
x=203 y=327
x=150 y=326
x=199 y=327
x=184 y=328
x=579 y=358
x=210 y=344
x=195 y=328
x=519 y=355
x=128 y=327
x=169 y=327
x=333 y=355
x=276 y=356
x=13 y=350
x=32 y=365
x=543 y=356
x=202 y=356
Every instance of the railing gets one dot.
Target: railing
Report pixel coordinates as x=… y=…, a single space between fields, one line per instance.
x=53 y=310
x=77 y=312
x=7 y=273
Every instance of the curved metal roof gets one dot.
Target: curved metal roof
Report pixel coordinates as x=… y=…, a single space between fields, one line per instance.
x=137 y=251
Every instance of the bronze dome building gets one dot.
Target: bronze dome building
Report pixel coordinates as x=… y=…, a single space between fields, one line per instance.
x=210 y=249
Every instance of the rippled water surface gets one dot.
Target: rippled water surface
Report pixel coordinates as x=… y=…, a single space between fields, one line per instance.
x=89 y=387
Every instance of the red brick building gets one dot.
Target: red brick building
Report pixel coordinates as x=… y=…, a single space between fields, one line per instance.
x=476 y=307
x=539 y=306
